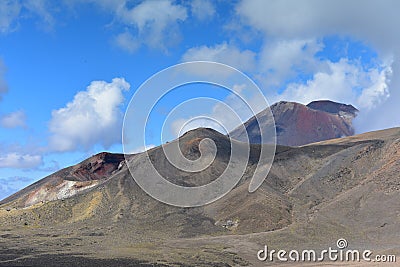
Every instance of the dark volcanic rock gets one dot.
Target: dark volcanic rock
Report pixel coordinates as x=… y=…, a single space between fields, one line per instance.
x=332 y=107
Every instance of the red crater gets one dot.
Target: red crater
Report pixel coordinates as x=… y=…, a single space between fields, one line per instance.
x=97 y=167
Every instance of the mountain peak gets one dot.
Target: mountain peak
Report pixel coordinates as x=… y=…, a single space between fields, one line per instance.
x=297 y=124
x=201 y=132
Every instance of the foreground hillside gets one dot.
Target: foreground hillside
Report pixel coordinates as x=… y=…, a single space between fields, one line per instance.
x=94 y=213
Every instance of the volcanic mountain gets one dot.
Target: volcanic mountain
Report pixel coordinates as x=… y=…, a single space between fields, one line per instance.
x=297 y=124
x=94 y=213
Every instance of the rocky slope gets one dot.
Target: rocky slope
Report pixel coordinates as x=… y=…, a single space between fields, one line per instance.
x=341 y=188
x=69 y=181
x=297 y=124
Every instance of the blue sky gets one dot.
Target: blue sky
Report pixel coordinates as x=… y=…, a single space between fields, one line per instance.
x=69 y=68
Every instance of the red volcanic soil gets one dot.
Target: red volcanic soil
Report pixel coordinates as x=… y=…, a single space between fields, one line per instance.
x=297 y=124
x=97 y=167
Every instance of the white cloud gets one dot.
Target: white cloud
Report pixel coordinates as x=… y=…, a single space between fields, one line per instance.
x=127 y=42
x=93 y=117
x=345 y=82
x=20 y=161
x=282 y=59
x=278 y=61
x=202 y=9
x=336 y=84
x=378 y=91
x=155 y=21
x=13 y=120
x=9 y=11
x=41 y=8
x=384 y=115
x=365 y=19
x=223 y=53
x=152 y=23
x=12 y=11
